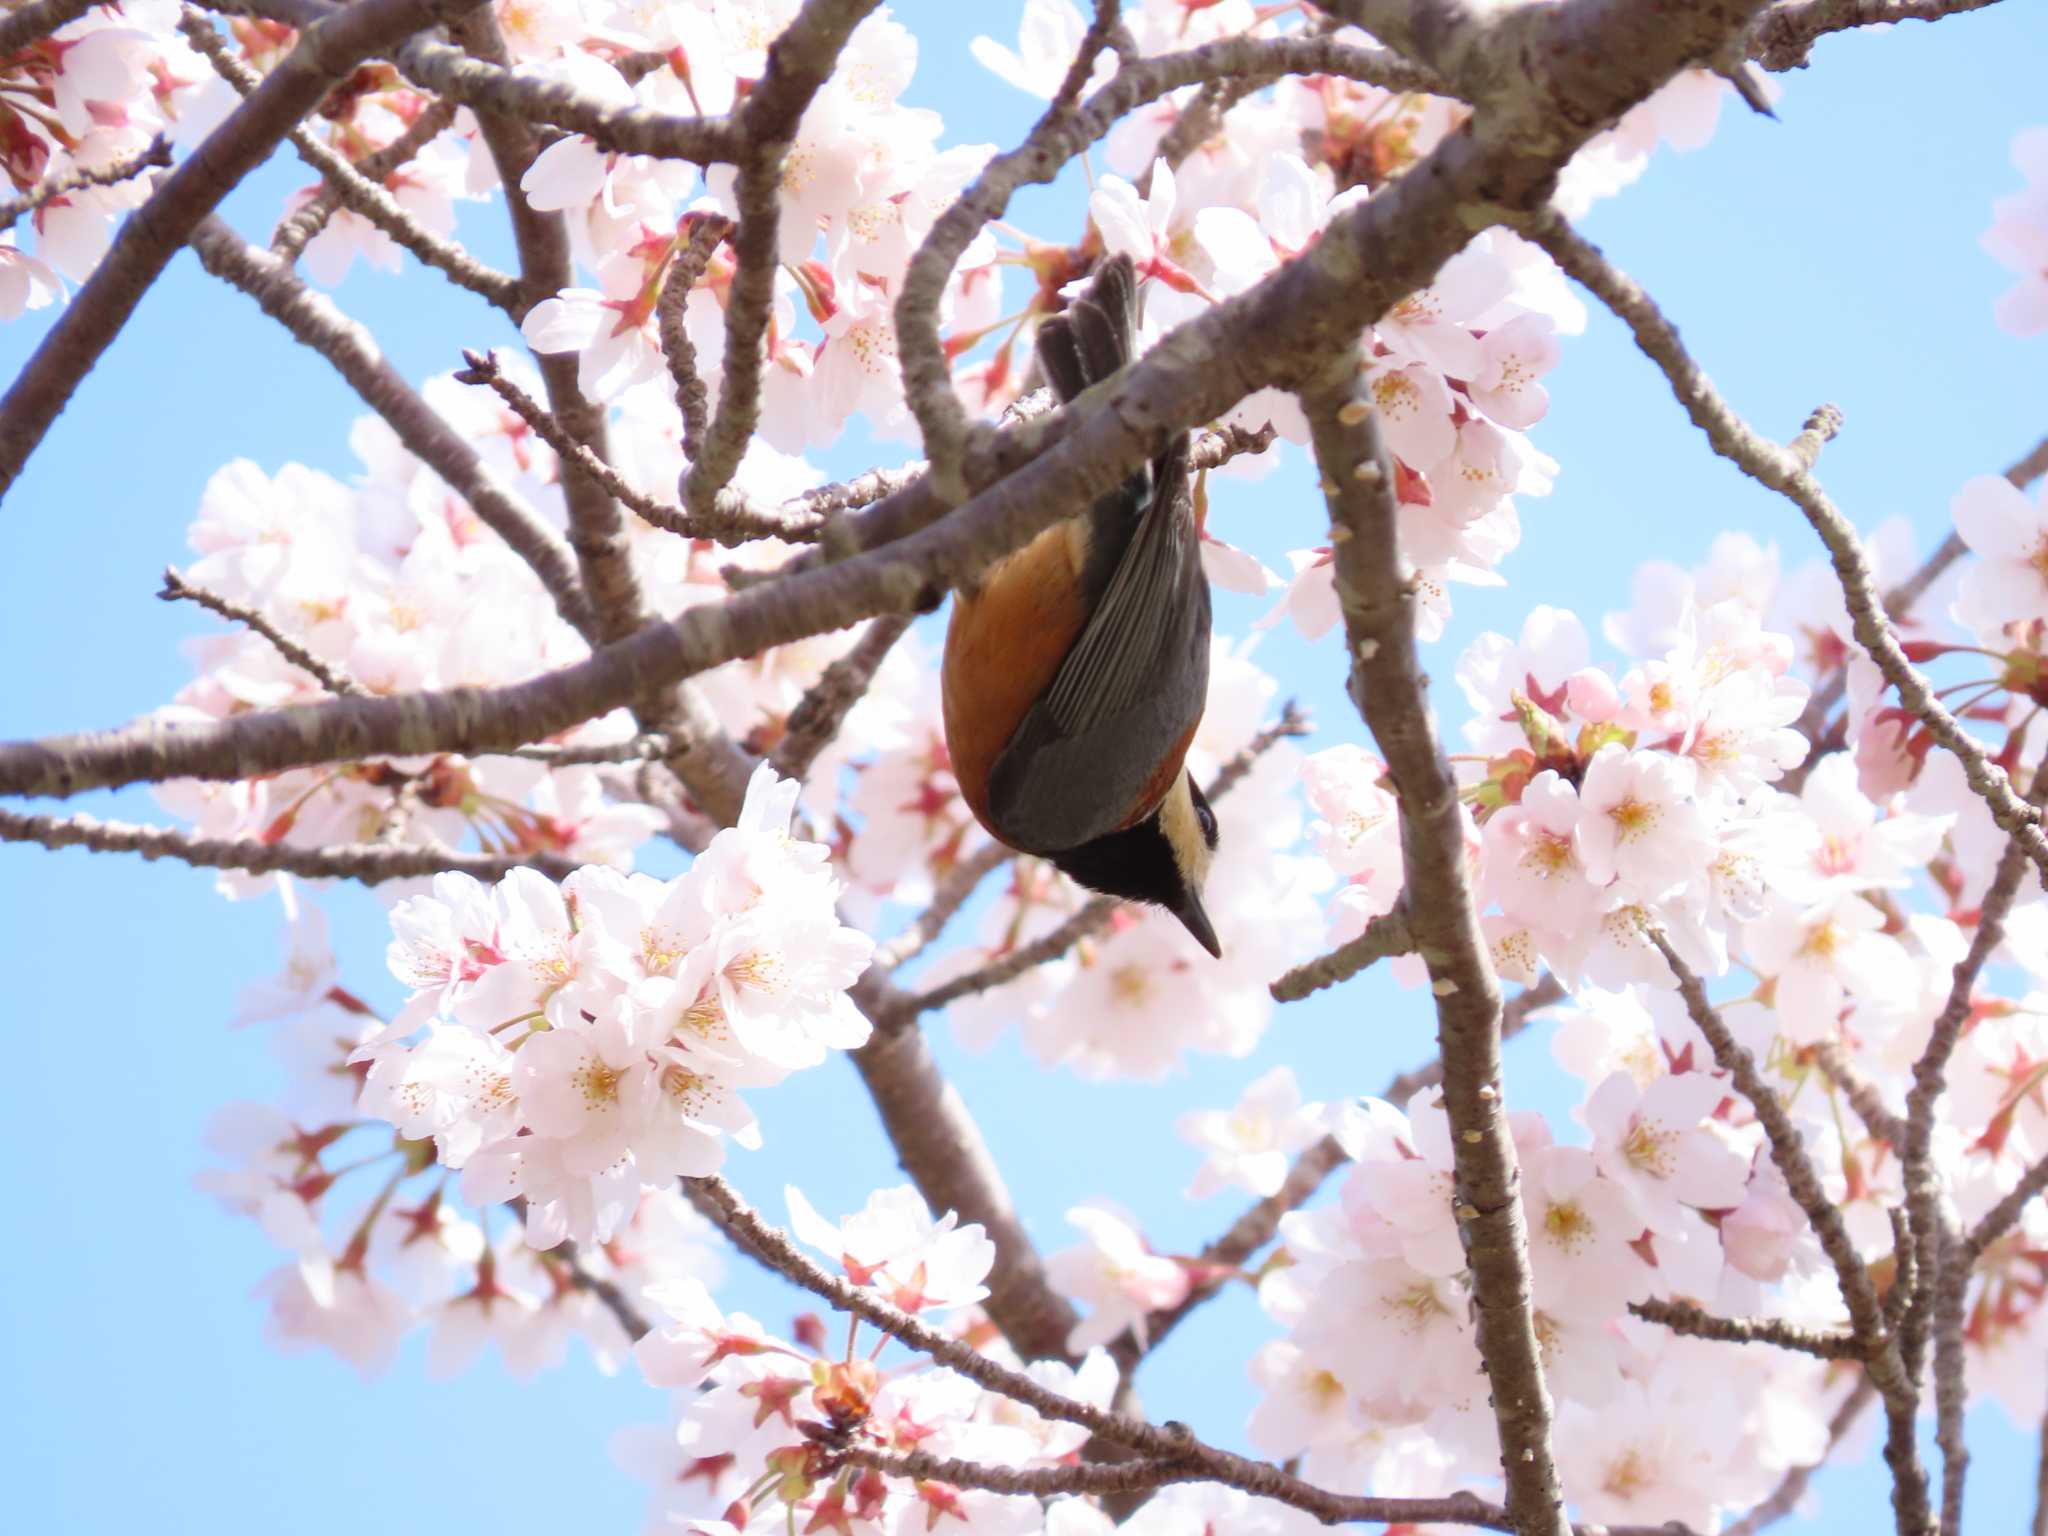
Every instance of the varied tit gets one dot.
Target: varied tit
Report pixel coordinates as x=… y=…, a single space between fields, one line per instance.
x=1077 y=668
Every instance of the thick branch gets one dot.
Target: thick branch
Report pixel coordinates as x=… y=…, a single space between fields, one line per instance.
x=1787 y=32
x=1378 y=597
x=152 y=235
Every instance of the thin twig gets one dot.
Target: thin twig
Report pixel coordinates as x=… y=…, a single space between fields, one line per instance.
x=1384 y=937
x=79 y=178
x=366 y=863
x=765 y=125
x=1882 y=1357
x=351 y=188
x=2005 y=1215
x=1861 y=1092
x=1173 y=1443
x=949 y=895
x=610 y=1294
x=1899 y=603
x=1939 y=1286
x=482 y=369
x=177 y=588
x=296 y=229
x=1698 y=1323
x=825 y=704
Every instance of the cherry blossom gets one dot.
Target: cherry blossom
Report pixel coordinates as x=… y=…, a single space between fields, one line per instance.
x=2018 y=237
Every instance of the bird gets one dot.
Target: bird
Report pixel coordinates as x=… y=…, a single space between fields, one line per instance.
x=1076 y=669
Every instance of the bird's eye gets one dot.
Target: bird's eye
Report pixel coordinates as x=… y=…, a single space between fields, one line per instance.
x=1206 y=820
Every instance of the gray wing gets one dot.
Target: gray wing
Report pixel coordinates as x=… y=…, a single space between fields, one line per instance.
x=1133 y=684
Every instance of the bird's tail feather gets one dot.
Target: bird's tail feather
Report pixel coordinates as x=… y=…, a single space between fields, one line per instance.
x=1097 y=334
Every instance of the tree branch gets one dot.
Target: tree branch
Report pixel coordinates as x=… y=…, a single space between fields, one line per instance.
x=176 y=587
x=823 y=709
x=490 y=88
x=367 y=863
x=79 y=178
x=948 y=897
x=352 y=189
x=1384 y=937
x=1881 y=1355
x=799 y=62
x=1378 y=597
x=1786 y=33
x=297 y=228
x=1698 y=1323
x=1172 y=1444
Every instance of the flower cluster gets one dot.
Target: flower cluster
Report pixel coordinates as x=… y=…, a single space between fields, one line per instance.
x=79 y=111
x=365 y=1268
x=589 y=1040
x=762 y=1423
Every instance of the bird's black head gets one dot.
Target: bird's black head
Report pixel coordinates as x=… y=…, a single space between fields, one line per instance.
x=1163 y=859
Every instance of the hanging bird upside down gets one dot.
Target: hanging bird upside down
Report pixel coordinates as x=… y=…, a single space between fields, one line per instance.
x=1077 y=668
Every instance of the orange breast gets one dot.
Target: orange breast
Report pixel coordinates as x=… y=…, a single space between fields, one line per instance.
x=1003 y=646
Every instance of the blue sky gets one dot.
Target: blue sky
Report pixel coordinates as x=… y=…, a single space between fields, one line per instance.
x=1828 y=256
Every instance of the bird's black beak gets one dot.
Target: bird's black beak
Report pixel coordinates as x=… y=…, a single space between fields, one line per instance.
x=1189 y=910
